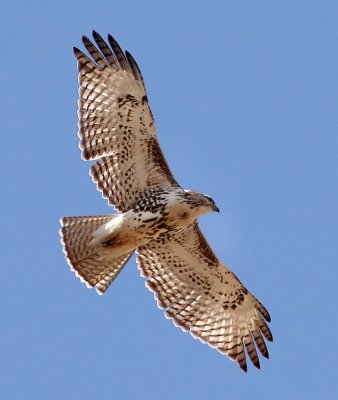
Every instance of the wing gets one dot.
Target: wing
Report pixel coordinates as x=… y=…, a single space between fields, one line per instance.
x=116 y=125
x=203 y=296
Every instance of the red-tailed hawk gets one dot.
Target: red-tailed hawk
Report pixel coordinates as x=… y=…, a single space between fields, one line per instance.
x=156 y=217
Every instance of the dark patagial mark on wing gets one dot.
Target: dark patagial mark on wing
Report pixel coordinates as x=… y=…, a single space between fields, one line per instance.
x=157 y=157
x=204 y=247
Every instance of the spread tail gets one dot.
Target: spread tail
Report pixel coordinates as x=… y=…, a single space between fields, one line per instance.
x=89 y=261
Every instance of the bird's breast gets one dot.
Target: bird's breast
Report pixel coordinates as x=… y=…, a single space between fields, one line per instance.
x=158 y=212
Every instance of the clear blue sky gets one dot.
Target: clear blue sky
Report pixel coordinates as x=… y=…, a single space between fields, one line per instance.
x=245 y=96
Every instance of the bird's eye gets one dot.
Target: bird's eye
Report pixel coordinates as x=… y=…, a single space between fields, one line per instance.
x=210 y=199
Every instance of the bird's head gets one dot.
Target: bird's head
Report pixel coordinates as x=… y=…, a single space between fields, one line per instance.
x=202 y=201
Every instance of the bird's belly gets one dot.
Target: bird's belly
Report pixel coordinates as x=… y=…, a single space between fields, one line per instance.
x=135 y=228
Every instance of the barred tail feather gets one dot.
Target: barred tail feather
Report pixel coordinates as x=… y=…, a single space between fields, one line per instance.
x=92 y=265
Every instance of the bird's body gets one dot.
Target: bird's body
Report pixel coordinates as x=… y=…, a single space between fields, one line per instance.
x=156 y=212
x=155 y=217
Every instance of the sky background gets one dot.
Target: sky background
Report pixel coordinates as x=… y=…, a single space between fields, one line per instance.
x=245 y=97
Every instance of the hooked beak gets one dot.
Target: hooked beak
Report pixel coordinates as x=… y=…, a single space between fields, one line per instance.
x=216 y=209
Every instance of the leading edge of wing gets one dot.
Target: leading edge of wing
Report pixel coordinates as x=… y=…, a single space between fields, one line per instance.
x=116 y=126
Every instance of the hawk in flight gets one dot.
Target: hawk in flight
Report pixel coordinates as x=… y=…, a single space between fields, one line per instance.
x=155 y=216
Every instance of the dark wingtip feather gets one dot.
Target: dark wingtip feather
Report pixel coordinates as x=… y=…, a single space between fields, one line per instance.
x=268 y=334
x=84 y=39
x=105 y=49
x=130 y=57
x=96 y=35
x=114 y=44
x=244 y=367
x=116 y=47
x=82 y=59
x=264 y=312
x=119 y=53
x=134 y=67
x=110 y=37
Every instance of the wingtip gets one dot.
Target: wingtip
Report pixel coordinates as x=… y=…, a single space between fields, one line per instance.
x=111 y=39
x=128 y=54
x=85 y=39
x=96 y=35
x=244 y=368
x=76 y=51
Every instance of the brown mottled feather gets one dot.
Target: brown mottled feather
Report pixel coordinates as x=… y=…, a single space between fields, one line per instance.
x=106 y=51
x=93 y=51
x=116 y=125
x=203 y=296
x=119 y=53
